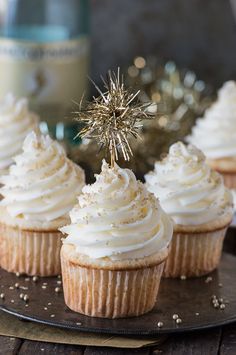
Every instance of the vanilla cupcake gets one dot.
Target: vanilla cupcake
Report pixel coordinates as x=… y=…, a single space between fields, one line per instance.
x=113 y=257
x=39 y=191
x=215 y=134
x=16 y=121
x=200 y=205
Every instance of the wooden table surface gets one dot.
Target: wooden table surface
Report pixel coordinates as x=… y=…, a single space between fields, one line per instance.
x=218 y=341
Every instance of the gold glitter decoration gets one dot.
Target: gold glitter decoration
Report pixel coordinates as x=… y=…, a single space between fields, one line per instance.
x=183 y=98
x=113 y=117
x=176 y=99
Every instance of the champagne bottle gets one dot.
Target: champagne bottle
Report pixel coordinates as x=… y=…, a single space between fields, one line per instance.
x=44 y=52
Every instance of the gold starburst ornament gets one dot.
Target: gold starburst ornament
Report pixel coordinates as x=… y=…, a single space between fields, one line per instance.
x=113 y=118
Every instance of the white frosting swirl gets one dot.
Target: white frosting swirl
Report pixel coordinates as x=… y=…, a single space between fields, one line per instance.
x=215 y=133
x=117 y=217
x=188 y=190
x=43 y=183
x=16 y=121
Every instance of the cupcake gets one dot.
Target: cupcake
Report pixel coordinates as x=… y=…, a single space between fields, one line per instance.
x=215 y=134
x=39 y=191
x=113 y=256
x=16 y=121
x=195 y=197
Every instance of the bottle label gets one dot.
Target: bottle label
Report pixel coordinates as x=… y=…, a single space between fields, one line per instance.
x=52 y=75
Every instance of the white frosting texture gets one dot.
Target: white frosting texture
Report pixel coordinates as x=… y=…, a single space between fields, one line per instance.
x=117 y=217
x=215 y=133
x=16 y=121
x=188 y=190
x=43 y=183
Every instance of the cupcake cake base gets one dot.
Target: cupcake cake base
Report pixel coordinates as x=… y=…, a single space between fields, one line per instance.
x=196 y=250
x=227 y=168
x=110 y=289
x=30 y=252
x=194 y=254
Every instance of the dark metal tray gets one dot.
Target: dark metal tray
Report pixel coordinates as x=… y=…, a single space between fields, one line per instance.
x=191 y=299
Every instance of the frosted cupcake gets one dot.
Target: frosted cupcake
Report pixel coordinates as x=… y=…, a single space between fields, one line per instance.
x=38 y=192
x=215 y=134
x=200 y=205
x=16 y=121
x=117 y=243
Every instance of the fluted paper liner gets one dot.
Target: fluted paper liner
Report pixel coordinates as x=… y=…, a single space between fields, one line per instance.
x=194 y=254
x=30 y=252
x=109 y=293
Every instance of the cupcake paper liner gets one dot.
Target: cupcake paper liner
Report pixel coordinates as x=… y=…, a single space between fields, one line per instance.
x=30 y=252
x=194 y=254
x=109 y=293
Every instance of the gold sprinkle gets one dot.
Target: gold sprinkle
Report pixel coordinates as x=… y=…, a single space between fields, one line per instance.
x=21 y=296
x=24 y=287
x=160 y=324
x=11 y=288
x=35 y=278
x=183 y=277
x=26 y=298
x=2 y=296
x=17 y=274
x=222 y=306
x=78 y=323
x=44 y=287
x=45 y=308
x=12 y=301
x=52 y=315
x=175 y=316
x=208 y=279
x=178 y=320
x=17 y=285
x=57 y=289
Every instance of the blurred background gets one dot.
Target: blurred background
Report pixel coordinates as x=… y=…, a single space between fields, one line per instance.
x=177 y=53
x=197 y=34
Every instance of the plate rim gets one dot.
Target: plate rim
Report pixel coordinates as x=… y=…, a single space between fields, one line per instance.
x=151 y=332
x=107 y=330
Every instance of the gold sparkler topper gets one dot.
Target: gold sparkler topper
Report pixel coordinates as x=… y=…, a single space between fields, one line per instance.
x=113 y=117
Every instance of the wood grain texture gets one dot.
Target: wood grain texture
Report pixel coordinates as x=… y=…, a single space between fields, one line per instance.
x=228 y=340
x=212 y=342
x=196 y=343
x=9 y=346
x=34 y=347
x=112 y=351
